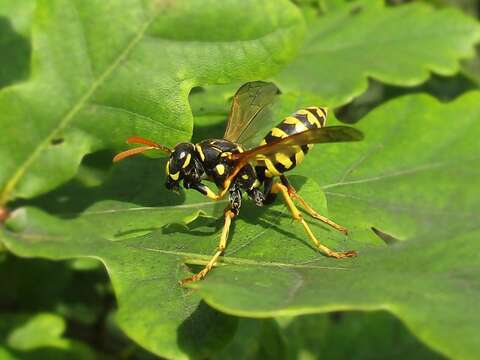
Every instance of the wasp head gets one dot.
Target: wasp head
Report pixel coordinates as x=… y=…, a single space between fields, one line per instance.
x=183 y=164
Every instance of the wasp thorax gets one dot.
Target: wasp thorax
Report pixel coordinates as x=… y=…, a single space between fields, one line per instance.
x=181 y=165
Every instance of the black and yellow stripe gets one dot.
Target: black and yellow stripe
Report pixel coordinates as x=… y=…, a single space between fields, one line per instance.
x=302 y=120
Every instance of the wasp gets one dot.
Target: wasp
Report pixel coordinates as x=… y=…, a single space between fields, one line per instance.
x=238 y=165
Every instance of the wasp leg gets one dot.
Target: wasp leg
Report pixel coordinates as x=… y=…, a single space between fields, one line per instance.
x=229 y=215
x=294 y=195
x=205 y=190
x=267 y=190
x=280 y=188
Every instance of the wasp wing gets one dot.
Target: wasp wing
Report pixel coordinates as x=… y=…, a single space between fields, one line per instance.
x=327 y=134
x=249 y=111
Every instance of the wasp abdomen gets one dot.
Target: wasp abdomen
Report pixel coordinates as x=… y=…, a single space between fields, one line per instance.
x=302 y=120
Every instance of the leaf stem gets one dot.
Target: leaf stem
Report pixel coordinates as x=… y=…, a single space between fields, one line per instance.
x=4 y=214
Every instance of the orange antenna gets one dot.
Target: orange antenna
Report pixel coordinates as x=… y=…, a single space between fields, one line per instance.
x=150 y=145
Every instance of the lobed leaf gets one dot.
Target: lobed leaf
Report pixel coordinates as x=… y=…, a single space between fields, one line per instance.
x=398 y=45
x=38 y=336
x=413 y=177
x=96 y=81
x=15 y=19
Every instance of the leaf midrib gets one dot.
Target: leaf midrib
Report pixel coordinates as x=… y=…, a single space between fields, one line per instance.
x=190 y=258
x=17 y=175
x=5 y=195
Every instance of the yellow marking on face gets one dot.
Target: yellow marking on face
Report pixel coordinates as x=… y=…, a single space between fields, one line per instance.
x=200 y=152
x=256 y=184
x=220 y=169
x=283 y=159
x=278 y=133
x=245 y=177
x=175 y=176
x=167 y=168
x=187 y=161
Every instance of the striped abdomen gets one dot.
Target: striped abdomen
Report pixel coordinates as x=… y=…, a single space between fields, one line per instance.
x=302 y=120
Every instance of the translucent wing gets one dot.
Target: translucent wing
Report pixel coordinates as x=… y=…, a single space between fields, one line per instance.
x=249 y=111
x=327 y=134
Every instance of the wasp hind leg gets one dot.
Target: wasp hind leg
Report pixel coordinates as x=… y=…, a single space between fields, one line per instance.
x=282 y=189
x=229 y=215
x=311 y=211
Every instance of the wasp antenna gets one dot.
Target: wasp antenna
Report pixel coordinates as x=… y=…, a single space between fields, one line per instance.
x=131 y=152
x=140 y=140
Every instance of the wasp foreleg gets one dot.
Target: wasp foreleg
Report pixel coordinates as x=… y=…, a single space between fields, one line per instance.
x=294 y=195
x=229 y=215
x=203 y=189
x=280 y=188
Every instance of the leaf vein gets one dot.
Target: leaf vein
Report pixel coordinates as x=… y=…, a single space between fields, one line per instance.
x=405 y=172
x=4 y=196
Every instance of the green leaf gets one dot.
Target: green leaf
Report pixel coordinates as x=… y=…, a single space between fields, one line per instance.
x=54 y=287
x=39 y=336
x=94 y=84
x=19 y=14
x=415 y=176
x=255 y=339
x=42 y=330
x=339 y=335
x=355 y=5
x=326 y=336
x=153 y=308
x=15 y=18
x=471 y=68
x=397 y=45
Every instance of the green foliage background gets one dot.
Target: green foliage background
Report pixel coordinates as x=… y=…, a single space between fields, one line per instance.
x=78 y=77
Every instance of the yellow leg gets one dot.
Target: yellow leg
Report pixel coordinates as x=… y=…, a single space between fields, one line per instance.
x=294 y=195
x=229 y=215
x=280 y=188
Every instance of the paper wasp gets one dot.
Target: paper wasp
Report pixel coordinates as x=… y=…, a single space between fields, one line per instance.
x=235 y=166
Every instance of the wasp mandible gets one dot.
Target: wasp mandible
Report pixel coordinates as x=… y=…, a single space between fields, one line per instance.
x=235 y=168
